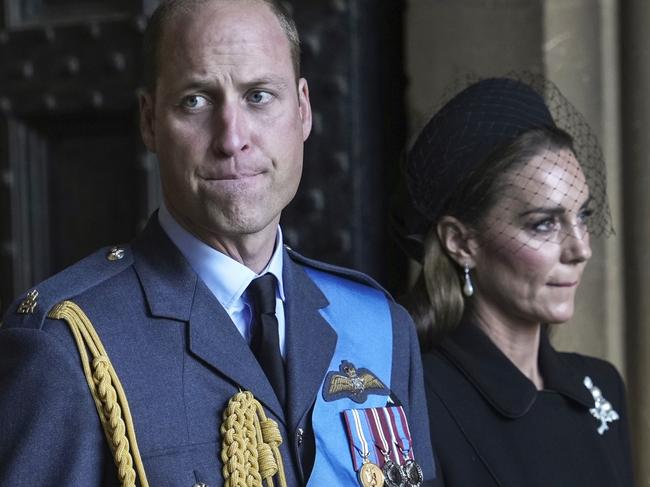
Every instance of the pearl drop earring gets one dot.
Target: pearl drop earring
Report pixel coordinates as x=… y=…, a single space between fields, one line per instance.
x=468 y=288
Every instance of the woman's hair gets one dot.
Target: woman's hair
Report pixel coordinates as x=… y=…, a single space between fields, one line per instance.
x=436 y=301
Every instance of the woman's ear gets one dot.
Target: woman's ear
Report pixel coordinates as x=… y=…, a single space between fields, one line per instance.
x=457 y=240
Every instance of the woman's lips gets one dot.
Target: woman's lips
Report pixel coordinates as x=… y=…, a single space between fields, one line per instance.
x=563 y=284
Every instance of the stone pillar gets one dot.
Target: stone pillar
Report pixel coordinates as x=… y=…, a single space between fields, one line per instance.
x=580 y=56
x=448 y=39
x=635 y=84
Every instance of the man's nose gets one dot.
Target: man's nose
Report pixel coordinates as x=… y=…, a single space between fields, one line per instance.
x=231 y=129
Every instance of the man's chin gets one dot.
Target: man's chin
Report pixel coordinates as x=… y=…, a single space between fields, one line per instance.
x=239 y=225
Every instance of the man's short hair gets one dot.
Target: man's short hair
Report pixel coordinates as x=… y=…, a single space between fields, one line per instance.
x=170 y=8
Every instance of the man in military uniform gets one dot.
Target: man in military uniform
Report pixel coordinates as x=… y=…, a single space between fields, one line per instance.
x=157 y=341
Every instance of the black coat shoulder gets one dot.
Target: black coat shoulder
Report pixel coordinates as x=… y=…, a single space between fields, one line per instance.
x=492 y=427
x=592 y=367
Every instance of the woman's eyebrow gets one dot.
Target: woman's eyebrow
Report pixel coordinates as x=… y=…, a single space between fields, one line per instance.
x=553 y=210
x=587 y=202
x=547 y=210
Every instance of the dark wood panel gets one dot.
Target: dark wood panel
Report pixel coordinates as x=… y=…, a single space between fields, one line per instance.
x=352 y=57
x=73 y=168
x=26 y=13
x=74 y=187
x=93 y=185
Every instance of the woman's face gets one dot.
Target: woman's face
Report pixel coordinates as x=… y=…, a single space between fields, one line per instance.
x=534 y=243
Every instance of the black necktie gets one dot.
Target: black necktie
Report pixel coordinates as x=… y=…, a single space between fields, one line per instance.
x=265 y=342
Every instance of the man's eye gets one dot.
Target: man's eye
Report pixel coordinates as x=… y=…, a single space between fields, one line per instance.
x=260 y=97
x=194 y=102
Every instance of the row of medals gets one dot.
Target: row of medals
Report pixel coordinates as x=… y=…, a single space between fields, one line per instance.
x=408 y=474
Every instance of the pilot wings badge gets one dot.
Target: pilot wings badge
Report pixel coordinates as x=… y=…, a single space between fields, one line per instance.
x=353 y=383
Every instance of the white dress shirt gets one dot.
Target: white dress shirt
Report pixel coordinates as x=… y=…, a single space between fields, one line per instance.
x=225 y=277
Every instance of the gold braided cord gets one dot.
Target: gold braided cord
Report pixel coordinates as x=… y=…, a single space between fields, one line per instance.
x=108 y=394
x=250 y=444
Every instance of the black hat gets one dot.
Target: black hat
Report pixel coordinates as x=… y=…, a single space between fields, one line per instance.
x=480 y=120
x=476 y=122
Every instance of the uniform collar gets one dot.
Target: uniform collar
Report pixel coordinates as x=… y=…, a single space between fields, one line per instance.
x=501 y=383
x=226 y=278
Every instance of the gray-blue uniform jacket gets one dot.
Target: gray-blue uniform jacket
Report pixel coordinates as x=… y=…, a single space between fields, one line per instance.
x=180 y=358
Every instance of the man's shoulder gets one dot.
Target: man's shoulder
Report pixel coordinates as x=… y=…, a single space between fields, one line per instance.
x=338 y=272
x=32 y=307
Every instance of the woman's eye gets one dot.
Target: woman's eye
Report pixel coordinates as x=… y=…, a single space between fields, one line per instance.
x=194 y=102
x=585 y=215
x=544 y=226
x=260 y=97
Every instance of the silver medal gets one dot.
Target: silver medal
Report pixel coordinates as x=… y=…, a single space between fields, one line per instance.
x=393 y=475
x=412 y=473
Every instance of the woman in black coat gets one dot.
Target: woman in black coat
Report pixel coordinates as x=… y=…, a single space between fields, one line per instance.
x=500 y=208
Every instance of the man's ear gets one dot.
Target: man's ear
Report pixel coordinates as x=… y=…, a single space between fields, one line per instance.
x=147 y=104
x=304 y=106
x=458 y=240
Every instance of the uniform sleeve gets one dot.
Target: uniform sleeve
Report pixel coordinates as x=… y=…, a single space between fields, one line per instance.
x=50 y=431
x=417 y=407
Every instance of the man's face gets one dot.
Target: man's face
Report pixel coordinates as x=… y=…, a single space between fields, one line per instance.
x=228 y=119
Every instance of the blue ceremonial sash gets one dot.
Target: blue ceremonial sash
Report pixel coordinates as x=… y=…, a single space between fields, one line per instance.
x=361 y=317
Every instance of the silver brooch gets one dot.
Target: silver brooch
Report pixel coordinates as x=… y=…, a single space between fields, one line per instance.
x=602 y=409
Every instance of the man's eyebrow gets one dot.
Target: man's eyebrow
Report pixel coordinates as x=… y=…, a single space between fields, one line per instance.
x=200 y=82
x=195 y=82
x=268 y=80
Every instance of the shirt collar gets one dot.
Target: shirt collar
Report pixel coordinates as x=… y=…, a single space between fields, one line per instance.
x=226 y=278
x=502 y=384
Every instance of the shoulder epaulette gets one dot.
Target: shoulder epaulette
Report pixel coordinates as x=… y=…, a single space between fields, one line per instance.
x=343 y=272
x=30 y=309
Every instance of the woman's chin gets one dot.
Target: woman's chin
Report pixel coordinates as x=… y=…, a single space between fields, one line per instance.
x=559 y=316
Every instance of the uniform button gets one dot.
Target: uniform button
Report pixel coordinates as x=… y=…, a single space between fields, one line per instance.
x=116 y=253
x=200 y=484
x=299 y=436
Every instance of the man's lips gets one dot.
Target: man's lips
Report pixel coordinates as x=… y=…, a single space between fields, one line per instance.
x=232 y=176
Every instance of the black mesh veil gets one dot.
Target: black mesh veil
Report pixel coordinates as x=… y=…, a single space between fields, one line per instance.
x=546 y=166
